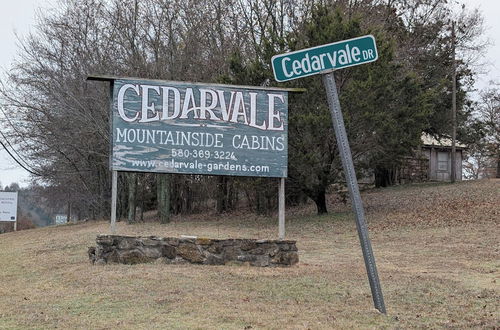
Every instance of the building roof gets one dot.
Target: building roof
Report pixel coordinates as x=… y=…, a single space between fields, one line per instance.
x=429 y=140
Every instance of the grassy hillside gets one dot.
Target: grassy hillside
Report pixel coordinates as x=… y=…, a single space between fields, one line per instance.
x=437 y=250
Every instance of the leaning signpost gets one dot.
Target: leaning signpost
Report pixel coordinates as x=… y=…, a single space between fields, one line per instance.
x=325 y=60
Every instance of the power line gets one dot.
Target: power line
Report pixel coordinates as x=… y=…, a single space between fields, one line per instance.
x=15 y=159
x=28 y=167
x=13 y=149
x=29 y=170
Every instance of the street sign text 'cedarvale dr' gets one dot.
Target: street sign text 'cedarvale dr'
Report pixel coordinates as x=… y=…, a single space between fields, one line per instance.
x=337 y=55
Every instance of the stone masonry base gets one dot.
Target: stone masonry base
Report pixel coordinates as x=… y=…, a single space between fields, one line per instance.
x=133 y=250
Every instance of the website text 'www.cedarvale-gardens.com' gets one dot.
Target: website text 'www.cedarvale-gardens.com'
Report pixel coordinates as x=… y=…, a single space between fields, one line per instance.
x=208 y=166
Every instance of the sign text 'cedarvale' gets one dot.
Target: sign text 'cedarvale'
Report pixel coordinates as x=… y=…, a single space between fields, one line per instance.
x=193 y=128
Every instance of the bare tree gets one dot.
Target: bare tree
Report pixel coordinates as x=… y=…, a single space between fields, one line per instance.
x=489 y=116
x=60 y=122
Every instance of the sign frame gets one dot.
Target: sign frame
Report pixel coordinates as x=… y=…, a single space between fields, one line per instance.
x=114 y=177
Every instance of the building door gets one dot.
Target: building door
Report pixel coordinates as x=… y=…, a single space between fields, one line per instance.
x=443 y=166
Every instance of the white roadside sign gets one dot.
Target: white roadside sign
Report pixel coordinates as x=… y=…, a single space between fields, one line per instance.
x=61 y=219
x=8 y=206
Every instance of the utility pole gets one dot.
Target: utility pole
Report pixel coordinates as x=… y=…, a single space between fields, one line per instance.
x=453 y=107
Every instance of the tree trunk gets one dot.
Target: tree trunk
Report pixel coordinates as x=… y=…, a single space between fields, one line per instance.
x=122 y=197
x=498 y=168
x=163 y=198
x=68 y=213
x=143 y=194
x=102 y=195
x=320 y=199
x=383 y=177
x=132 y=188
x=222 y=201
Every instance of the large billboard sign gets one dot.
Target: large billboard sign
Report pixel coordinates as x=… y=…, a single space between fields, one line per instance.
x=8 y=206
x=316 y=60
x=193 y=128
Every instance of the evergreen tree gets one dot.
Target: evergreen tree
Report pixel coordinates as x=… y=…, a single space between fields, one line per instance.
x=385 y=110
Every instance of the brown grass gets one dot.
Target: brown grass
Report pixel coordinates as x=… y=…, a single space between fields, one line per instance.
x=437 y=251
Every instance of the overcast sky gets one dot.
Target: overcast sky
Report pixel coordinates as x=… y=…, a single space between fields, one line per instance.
x=18 y=16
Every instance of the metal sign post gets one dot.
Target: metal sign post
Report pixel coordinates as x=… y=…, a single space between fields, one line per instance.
x=114 y=184
x=281 y=207
x=323 y=60
x=352 y=185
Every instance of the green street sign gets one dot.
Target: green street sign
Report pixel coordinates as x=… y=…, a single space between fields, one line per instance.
x=315 y=60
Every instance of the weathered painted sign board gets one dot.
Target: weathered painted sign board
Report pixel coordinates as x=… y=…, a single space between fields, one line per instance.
x=8 y=206
x=337 y=55
x=193 y=128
